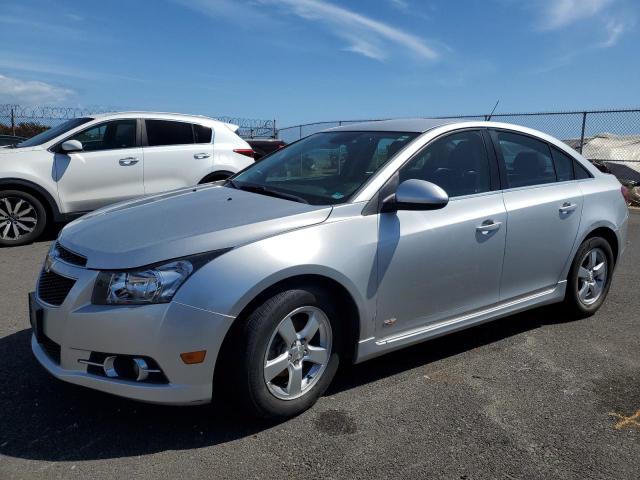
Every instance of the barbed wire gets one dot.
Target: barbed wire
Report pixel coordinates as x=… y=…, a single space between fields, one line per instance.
x=49 y=116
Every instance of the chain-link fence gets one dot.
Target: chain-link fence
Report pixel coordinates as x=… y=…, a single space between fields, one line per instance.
x=27 y=121
x=608 y=136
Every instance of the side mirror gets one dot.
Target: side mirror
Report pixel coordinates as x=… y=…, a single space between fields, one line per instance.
x=71 y=146
x=416 y=194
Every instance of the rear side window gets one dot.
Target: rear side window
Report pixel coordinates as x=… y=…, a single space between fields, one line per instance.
x=166 y=132
x=202 y=133
x=580 y=172
x=527 y=161
x=564 y=165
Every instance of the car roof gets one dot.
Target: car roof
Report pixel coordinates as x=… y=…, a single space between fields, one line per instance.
x=415 y=125
x=158 y=115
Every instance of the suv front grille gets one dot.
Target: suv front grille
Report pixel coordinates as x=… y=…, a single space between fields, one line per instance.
x=54 y=288
x=70 y=257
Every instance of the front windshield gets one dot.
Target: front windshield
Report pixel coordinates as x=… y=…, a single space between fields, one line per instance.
x=323 y=169
x=52 y=133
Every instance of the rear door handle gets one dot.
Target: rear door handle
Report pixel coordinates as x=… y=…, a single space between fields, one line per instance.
x=127 y=162
x=488 y=226
x=200 y=156
x=568 y=207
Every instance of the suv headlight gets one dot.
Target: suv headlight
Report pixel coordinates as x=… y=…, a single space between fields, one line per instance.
x=156 y=284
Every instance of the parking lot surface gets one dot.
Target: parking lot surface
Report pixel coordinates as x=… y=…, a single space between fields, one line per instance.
x=530 y=396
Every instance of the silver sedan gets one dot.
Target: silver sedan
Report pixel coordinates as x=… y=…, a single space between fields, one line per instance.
x=343 y=246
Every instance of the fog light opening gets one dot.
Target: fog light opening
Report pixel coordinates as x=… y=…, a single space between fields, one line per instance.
x=109 y=366
x=140 y=369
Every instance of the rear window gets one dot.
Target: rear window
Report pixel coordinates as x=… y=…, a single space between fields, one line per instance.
x=166 y=132
x=580 y=172
x=202 y=133
x=564 y=165
x=527 y=161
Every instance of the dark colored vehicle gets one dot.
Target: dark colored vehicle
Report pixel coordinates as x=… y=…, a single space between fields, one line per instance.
x=600 y=165
x=6 y=140
x=264 y=146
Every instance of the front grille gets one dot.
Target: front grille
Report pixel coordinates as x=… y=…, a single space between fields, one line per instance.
x=51 y=348
x=70 y=257
x=54 y=288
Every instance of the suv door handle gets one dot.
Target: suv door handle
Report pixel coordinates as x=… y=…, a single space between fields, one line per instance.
x=488 y=226
x=127 y=162
x=568 y=207
x=200 y=156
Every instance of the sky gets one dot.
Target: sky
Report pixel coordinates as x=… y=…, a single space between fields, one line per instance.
x=299 y=61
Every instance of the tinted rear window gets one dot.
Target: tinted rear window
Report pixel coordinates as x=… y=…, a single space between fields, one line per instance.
x=580 y=172
x=564 y=165
x=166 y=132
x=202 y=133
x=527 y=161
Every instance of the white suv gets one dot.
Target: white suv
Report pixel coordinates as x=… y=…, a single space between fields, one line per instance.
x=87 y=163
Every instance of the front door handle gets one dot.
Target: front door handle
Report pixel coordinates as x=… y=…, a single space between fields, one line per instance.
x=488 y=226
x=127 y=162
x=200 y=156
x=568 y=207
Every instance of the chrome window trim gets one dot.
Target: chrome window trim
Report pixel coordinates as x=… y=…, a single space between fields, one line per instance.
x=382 y=176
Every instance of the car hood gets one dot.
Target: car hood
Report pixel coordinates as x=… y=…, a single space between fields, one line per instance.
x=180 y=223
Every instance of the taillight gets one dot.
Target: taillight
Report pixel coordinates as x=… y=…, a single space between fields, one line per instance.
x=625 y=193
x=247 y=152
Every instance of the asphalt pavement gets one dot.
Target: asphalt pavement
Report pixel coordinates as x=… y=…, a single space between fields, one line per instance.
x=534 y=395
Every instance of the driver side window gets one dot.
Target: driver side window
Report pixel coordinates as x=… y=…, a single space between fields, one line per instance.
x=458 y=163
x=112 y=135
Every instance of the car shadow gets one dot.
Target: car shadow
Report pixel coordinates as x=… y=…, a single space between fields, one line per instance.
x=45 y=419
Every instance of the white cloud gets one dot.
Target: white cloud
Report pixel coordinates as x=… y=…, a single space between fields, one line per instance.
x=14 y=90
x=614 y=29
x=560 y=13
x=364 y=35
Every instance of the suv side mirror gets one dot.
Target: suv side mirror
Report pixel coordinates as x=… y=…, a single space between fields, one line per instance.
x=71 y=146
x=414 y=194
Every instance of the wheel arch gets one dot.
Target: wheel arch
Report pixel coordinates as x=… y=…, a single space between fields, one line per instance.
x=48 y=201
x=215 y=176
x=609 y=235
x=336 y=289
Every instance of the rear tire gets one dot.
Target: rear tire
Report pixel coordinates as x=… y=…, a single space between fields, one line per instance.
x=285 y=354
x=23 y=218
x=589 y=278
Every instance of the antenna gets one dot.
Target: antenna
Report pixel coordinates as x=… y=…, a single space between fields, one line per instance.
x=494 y=109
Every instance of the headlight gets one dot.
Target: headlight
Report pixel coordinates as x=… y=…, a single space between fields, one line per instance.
x=157 y=284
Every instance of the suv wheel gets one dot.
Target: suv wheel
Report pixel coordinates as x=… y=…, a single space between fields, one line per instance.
x=286 y=353
x=22 y=218
x=590 y=277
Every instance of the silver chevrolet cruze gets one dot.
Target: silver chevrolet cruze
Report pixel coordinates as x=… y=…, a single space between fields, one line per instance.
x=345 y=245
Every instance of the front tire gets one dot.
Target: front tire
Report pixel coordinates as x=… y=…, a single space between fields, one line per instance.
x=22 y=218
x=286 y=353
x=589 y=278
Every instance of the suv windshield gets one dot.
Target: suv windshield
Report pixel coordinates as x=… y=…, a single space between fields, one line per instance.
x=52 y=133
x=322 y=169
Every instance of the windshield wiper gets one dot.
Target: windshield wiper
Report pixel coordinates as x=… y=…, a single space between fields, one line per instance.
x=267 y=191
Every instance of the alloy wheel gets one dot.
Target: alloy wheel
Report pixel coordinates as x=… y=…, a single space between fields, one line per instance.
x=297 y=353
x=592 y=276
x=17 y=218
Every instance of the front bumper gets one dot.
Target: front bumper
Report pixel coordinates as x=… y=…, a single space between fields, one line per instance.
x=160 y=332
